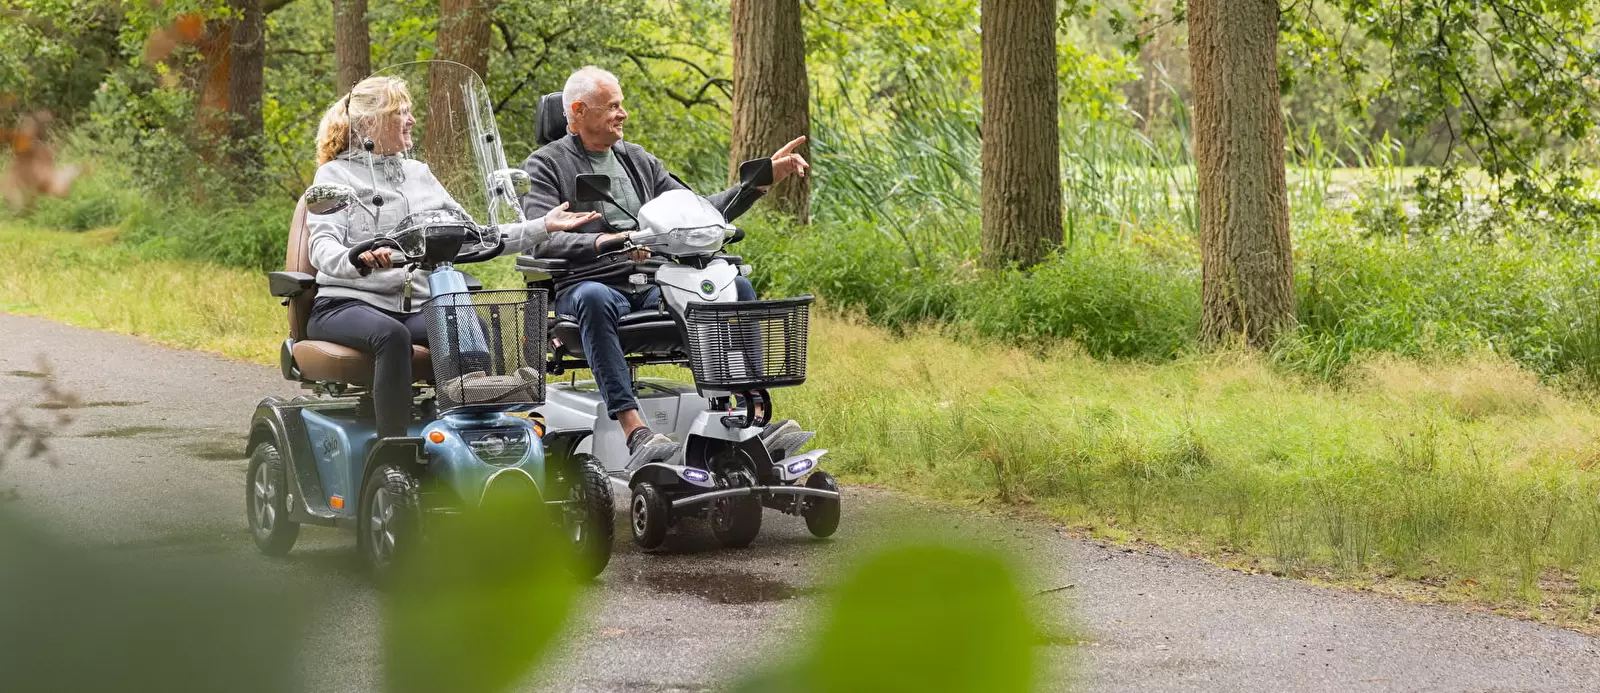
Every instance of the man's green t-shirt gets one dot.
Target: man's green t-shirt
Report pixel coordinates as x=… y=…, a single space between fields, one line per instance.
x=622 y=190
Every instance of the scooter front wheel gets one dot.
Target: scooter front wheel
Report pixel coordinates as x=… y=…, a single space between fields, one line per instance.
x=821 y=514
x=266 y=493
x=597 y=526
x=647 y=514
x=387 y=524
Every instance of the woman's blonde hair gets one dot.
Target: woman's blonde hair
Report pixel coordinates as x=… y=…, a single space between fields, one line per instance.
x=367 y=101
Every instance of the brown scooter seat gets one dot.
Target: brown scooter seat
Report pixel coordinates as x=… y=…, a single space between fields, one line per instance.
x=328 y=362
x=309 y=360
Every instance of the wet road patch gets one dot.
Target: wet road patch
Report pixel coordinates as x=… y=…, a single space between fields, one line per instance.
x=216 y=450
x=725 y=586
x=127 y=431
x=62 y=404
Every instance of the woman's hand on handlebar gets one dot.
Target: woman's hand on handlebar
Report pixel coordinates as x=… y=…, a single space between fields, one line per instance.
x=380 y=258
x=559 y=219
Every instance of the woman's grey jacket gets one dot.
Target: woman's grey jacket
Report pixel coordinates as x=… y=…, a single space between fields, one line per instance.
x=406 y=186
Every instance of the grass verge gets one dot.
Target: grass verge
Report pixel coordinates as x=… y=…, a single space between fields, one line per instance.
x=1462 y=480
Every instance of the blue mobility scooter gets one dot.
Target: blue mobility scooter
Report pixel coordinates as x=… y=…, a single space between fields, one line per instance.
x=318 y=459
x=728 y=459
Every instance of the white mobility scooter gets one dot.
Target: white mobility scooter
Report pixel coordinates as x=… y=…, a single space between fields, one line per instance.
x=728 y=459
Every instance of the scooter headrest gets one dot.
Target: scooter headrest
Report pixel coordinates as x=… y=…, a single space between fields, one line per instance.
x=550 y=119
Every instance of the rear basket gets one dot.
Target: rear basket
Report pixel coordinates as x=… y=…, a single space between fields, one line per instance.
x=488 y=348
x=748 y=345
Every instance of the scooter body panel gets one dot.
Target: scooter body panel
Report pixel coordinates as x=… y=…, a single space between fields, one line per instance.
x=666 y=406
x=681 y=284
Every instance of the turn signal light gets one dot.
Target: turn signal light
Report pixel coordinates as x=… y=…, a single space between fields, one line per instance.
x=337 y=502
x=436 y=436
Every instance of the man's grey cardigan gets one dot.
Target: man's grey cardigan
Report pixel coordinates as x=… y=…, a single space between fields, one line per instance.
x=555 y=168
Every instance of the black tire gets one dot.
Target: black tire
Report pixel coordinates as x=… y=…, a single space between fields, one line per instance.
x=737 y=520
x=592 y=538
x=821 y=514
x=401 y=528
x=266 y=493
x=648 y=516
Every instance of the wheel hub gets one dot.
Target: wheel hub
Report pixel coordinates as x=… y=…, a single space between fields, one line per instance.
x=380 y=530
x=640 y=514
x=264 y=490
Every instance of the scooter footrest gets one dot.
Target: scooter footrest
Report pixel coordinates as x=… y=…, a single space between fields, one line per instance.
x=787 y=444
x=653 y=453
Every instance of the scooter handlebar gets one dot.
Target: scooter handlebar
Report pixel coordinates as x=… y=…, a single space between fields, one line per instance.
x=361 y=248
x=487 y=253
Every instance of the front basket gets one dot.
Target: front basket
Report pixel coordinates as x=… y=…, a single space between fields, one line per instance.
x=748 y=345
x=488 y=347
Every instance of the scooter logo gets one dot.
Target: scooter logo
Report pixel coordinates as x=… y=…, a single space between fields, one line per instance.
x=707 y=288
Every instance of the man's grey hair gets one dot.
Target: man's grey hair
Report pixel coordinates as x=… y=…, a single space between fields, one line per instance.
x=582 y=85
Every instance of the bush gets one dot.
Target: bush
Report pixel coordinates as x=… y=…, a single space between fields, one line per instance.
x=1115 y=301
x=1533 y=299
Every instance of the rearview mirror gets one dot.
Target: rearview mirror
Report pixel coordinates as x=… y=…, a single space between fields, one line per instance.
x=756 y=173
x=327 y=198
x=594 y=187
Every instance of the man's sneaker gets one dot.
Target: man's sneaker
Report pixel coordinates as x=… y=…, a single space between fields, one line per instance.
x=642 y=437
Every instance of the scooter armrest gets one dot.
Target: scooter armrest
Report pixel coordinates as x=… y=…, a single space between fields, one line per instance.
x=541 y=267
x=289 y=284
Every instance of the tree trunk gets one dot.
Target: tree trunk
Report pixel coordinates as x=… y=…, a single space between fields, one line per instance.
x=249 y=49
x=210 y=77
x=771 y=97
x=463 y=37
x=1245 y=257
x=1021 y=144
x=352 y=45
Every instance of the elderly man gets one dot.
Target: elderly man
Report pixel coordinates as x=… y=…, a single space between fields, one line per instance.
x=597 y=291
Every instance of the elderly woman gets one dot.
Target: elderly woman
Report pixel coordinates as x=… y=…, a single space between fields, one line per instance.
x=361 y=143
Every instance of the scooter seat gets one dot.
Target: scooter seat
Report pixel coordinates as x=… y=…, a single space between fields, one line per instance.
x=328 y=362
x=649 y=332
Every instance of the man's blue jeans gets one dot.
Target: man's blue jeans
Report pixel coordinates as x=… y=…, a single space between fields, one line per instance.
x=598 y=308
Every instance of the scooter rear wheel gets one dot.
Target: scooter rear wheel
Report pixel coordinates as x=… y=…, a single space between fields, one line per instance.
x=266 y=493
x=647 y=515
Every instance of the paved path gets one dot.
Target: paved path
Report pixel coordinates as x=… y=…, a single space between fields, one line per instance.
x=152 y=466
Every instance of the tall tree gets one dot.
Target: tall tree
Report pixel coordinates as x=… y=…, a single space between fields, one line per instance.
x=352 y=44
x=463 y=37
x=248 y=61
x=1246 y=263
x=1021 y=192
x=771 y=98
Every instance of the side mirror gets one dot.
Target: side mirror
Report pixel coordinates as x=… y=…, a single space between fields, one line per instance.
x=594 y=187
x=514 y=180
x=327 y=198
x=756 y=173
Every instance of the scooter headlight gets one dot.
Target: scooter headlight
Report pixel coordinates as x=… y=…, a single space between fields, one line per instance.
x=497 y=446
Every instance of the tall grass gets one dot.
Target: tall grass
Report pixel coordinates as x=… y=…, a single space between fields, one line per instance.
x=1467 y=477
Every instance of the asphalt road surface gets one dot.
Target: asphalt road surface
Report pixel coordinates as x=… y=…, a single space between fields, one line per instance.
x=152 y=464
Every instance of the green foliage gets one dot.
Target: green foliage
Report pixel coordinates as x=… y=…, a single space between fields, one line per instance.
x=883 y=632
x=1113 y=300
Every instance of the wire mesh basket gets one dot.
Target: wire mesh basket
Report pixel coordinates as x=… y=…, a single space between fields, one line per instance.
x=748 y=345
x=488 y=348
